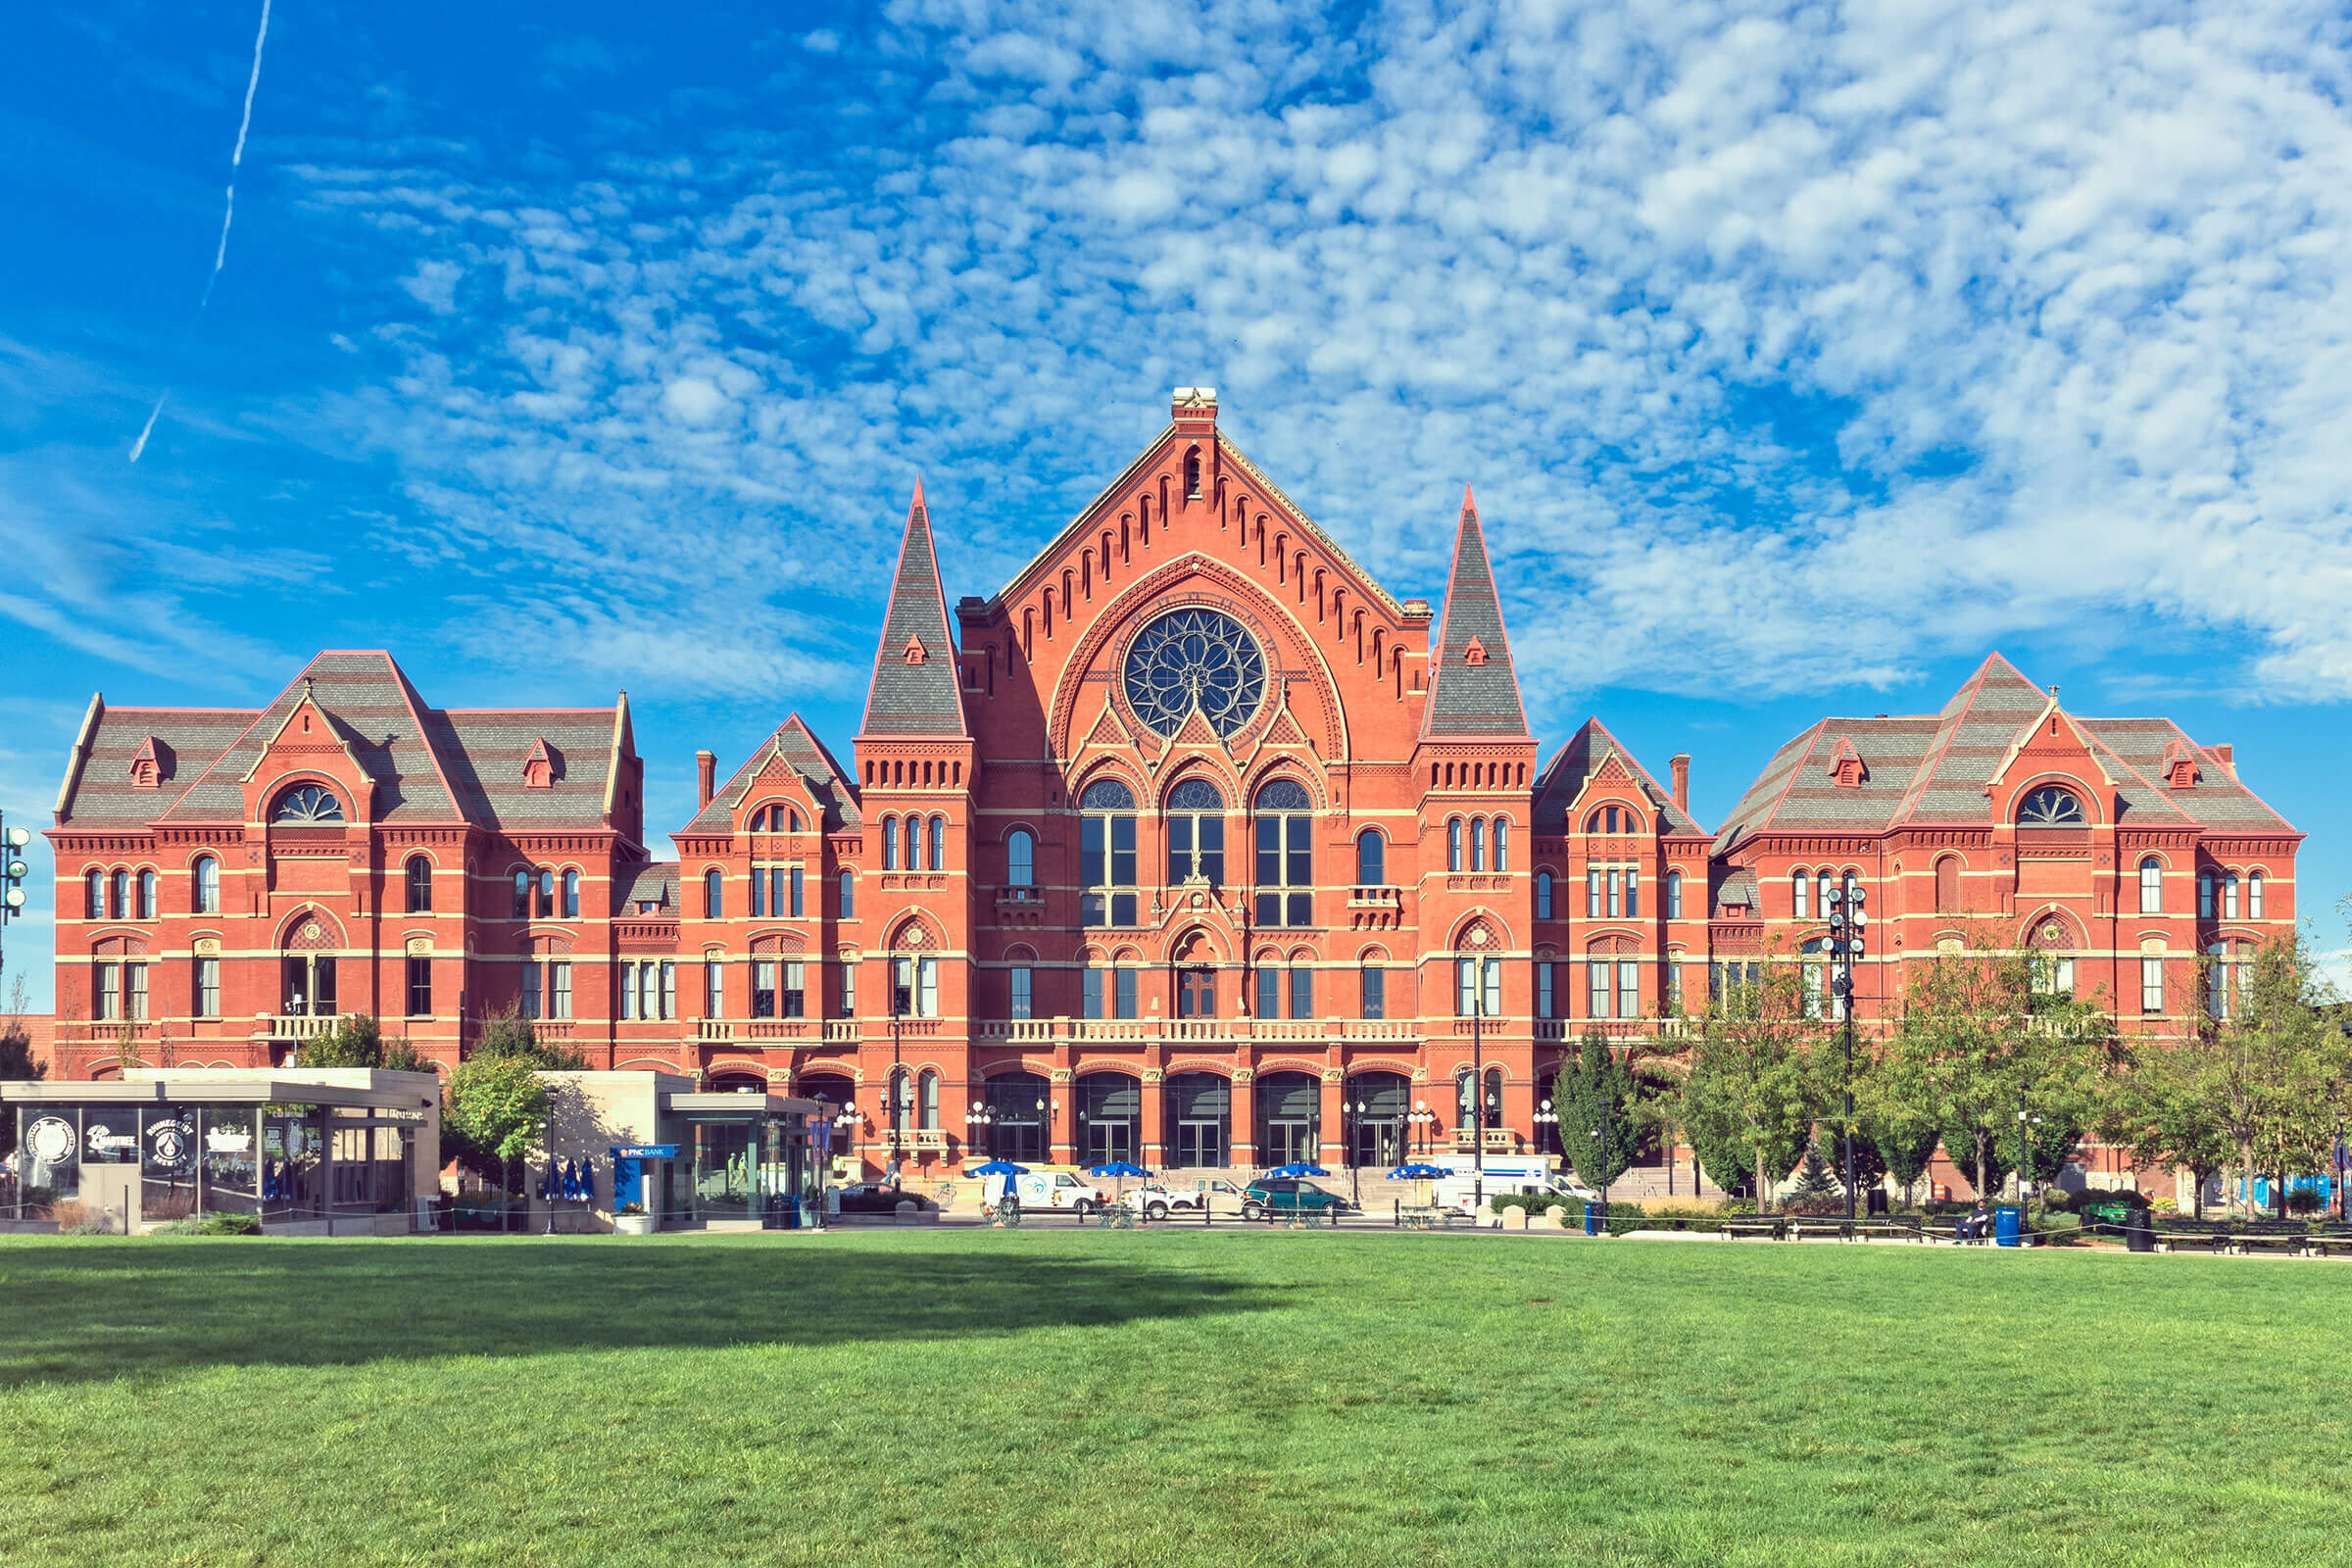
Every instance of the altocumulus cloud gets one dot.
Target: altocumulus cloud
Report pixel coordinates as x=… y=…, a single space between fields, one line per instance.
x=2013 y=311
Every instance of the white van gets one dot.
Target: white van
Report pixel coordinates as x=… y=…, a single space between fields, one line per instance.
x=1048 y=1190
x=1465 y=1190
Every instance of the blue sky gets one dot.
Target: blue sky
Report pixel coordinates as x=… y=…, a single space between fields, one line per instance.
x=1799 y=355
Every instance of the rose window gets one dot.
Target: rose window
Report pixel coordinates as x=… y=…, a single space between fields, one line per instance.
x=1191 y=658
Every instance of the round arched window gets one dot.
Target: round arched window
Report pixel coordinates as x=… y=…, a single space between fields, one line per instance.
x=308 y=803
x=2050 y=807
x=1191 y=658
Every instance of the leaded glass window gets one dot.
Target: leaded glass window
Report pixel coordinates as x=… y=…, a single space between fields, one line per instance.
x=1106 y=854
x=2050 y=807
x=1195 y=820
x=308 y=803
x=1285 y=858
x=1190 y=658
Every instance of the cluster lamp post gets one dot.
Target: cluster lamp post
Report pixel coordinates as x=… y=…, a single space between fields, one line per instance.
x=1848 y=921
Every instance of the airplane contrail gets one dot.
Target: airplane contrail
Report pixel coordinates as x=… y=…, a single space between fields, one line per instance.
x=228 y=215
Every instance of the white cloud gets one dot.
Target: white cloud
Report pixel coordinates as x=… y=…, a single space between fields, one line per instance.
x=1957 y=321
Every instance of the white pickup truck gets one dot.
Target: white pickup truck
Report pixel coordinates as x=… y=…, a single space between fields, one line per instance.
x=1158 y=1199
x=1463 y=1190
x=1048 y=1190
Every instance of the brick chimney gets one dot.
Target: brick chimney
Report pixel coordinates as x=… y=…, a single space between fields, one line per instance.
x=705 y=769
x=1681 y=781
x=2224 y=752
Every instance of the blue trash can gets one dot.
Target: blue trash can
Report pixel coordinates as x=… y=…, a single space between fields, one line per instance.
x=2005 y=1225
x=1595 y=1221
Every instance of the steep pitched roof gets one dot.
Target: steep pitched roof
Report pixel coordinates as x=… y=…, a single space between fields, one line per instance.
x=915 y=690
x=1577 y=760
x=807 y=756
x=1933 y=768
x=1473 y=688
x=655 y=883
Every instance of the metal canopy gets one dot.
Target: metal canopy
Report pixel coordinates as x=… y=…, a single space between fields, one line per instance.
x=213 y=1090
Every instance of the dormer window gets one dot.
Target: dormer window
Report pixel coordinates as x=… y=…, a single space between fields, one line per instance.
x=539 y=768
x=913 y=652
x=152 y=766
x=307 y=804
x=1846 y=770
x=1475 y=654
x=2179 y=766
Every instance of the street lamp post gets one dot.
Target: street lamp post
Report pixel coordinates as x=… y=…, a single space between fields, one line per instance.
x=1847 y=919
x=1476 y=941
x=1546 y=1117
x=1419 y=1125
x=1351 y=1117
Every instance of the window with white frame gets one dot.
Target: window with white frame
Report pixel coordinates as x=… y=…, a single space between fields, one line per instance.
x=2151 y=886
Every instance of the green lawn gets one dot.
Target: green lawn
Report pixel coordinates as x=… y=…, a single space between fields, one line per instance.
x=1045 y=1397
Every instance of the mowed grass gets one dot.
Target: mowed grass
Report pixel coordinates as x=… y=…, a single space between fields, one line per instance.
x=1046 y=1397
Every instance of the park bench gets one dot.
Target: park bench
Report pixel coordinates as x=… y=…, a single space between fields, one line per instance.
x=2192 y=1235
x=1768 y=1228
x=2275 y=1236
x=2329 y=1240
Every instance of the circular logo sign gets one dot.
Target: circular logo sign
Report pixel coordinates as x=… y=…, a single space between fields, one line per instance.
x=169 y=1144
x=50 y=1141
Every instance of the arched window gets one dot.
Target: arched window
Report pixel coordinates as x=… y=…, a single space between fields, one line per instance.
x=2254 y=895
x=547 y=893
x=97 y=895
x=2229 y=896
x=2053 y=963
x=1543 y=895
x=1477 y=985
x=912 y=836
x=1821 y=891
x=1478 y=844
x=714 y=897
x=1498 y=836
x=307 y=802
x=1371 y=858
x=1106 y=854
x=1195 y=819
x=208 y=885
x=146 y=893
x=1020 y=859
x=1947 y=885
x=901 y=1103
x=939 y=844
x=849 y=896
x=927 y=1107
x=1816 y=977
x=1286 y=856
x=2050 y=807
x=1800 y=895
x=1466 y=1109
x=1454 y=844
x=1633 y=893
x=421 y=885
x=890 y=844
x=1633 y=820
x=571 y=894
x=2225 y=978
x=119 y=904
x=523 y=895
x=1674 y=895
x=2151 y=886
x=2204 y=895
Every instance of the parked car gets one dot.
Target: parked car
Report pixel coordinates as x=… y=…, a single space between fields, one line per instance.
x=1049 y=1190
x=1158 y=1199
x=879 y=1198
x=1465 y=1190
x=1289 y=1194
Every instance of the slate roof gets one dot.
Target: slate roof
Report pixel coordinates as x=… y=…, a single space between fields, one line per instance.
x=916 y=699
x=808 y=757
x=1466 y=699
x=426 y=764
x=1933 y=768
x=1576 y=761
x=657 y=881
x=1739 y=888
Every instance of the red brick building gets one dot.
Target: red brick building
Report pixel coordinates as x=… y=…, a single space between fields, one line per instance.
x=1190 y=846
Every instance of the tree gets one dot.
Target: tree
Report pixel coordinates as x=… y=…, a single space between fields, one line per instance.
x=1905 y=1147
x=510 y=1034
x=356 y=1041
x=16 y=1063
x=1753 y=1082
x=2277 y=1074
x=2164 y=1112
x=1982 y=1027
x=494 y=1109
x=1601 y=1126
x=1814 y=1182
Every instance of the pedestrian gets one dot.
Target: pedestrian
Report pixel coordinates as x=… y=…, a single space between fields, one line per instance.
x=890 y=1172
x=1980 y=1222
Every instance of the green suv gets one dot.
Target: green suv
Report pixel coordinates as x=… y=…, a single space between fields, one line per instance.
x=1286 y=1195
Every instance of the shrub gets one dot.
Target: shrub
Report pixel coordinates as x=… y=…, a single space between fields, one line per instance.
x=2304 y=1200
x=230 y=1225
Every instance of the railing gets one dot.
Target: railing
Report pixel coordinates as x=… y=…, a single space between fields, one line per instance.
x=1110 y=1029
x=930 y=1138
x=1382 y=897
x=1195 y=1030
x=120 y=1029
x=781 y=1028
x=1021 y=898
x=713 y=1031
x=1466 y=1137
x=840 y=1031
x=1018 y=1030
x=295 y=1025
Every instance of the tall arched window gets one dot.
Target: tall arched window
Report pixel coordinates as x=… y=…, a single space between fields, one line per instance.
x=118 y=902
x=849 y=895
x=939 y=844
x=208 y=885
x=571 y=894
x=901 y=1103
x=547 y=893
x=523 y=895
x=2254 y=895
x=420 y=885
x=1196 y=822
x=1821 y=892
x=2151 y=886
x=890 y=844
x=1371 y=858
x=1454 y=844
x=1543 y=895
x=713 y=894
x=2225 y=978
x=2229 y=896
x=911 y=835
x=146 y=893
x=1106 y=854
x=1478 y=844
x=1674 y=895
x=1498 y=838
x=1800 y=895
x=1020 y=859
x=927 y=1105
x=1286 y=856
x=97 y=895
x=1947 y=885
x=2204 y=895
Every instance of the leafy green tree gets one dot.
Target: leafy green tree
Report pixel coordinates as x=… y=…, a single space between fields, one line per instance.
x=495 y=1106
x=1982 y=1027
x=1753 y=1080
x=356 y=1041
x=510 y=1034
x=2277 y=1072
x=1598 y=1101
x=16 y=1063
x=2164 y=1111
x=1904 y=1149
x=1814 y=1182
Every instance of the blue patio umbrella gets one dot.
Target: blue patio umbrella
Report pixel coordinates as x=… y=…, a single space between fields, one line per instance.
x=1418 y=1173
x=999 y=1167
x=571 y=1181
x=1301 y=1168
x=1120 y=1169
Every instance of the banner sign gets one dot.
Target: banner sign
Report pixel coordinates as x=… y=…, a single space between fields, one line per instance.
x=645 y=1151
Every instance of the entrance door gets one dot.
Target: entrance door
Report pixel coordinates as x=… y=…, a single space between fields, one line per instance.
x=1108 y=1143
x=1200 y=1142
x=1289 y=1112
x=1197 y=994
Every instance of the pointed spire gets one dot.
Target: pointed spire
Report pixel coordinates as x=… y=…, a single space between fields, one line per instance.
x=914 y=687
x=1473 y=687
